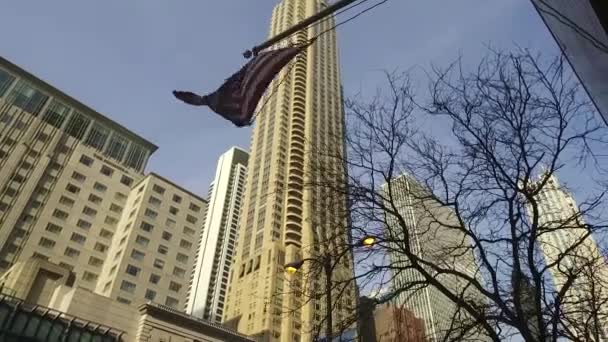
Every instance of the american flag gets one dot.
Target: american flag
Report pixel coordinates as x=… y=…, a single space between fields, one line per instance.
x=237 y=99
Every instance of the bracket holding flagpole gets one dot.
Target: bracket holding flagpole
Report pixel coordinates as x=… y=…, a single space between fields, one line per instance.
x=297 y=27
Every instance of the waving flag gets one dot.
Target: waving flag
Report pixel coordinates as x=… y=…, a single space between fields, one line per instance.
x=237 y=99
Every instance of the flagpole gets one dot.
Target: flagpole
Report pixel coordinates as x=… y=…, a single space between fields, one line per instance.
x=299 y=26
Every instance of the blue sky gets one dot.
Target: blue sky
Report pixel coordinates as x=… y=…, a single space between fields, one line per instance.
x=123 y=58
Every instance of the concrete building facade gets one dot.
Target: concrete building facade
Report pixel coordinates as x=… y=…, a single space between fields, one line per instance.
x=427 y=223
x=152 y=253
x=566 y=243
x=73 y=312
x=73 y=191
x=216 y=248
x=283 y=219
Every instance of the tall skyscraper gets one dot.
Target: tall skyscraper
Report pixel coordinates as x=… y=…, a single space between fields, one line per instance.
x=283 y=219
x=73 y=192
x=581 y=30
x=567 y=244
x=216 y=248
x=427 y=223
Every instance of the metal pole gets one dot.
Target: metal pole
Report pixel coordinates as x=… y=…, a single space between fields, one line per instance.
x=299 y=26
x=328 y=314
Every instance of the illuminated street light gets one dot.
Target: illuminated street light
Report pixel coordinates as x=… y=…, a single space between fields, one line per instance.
x=368 y=241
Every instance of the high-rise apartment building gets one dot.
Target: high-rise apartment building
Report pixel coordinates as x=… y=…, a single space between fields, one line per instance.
x=566 y=243
x=427 y=223
x=284 y=219
x=216 y=248
x=581 y=30
x=152 y=252
x=73 y=191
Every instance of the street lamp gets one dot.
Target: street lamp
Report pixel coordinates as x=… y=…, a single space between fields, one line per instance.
x=325 y=262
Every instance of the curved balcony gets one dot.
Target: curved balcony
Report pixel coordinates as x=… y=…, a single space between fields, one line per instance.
x=294 y=202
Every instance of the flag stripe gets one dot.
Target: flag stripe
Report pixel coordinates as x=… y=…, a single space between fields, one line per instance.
x=237 y=99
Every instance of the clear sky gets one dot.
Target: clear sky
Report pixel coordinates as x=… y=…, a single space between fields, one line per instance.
x=123 y=58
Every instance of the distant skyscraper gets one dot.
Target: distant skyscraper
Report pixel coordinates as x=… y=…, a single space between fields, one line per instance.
x=566 y=244
x=284 y=218
x=580 y=28
x=73 y=191
x=431 y=241
x=215 y=252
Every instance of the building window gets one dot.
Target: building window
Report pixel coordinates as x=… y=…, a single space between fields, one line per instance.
x=53 y=228
x=136 y=157
x=175 y=287
x=100 y=187
x=126 y=180
x=78 y=238
x=179 y=272
x=100 y=247
x=106 y=234
x=95 y=199
x=171 y=302
x=40 y=256
x=167 y=236
x=159 y=263
x=117 y=147
x=84 y=224
x=72 y=188
x=77 y=125
x=71 y=252
x=195 y=207
x=142 y=241
x=132 y=270
x=78 y=176
x=127 y=286
x=170 y=223
x=106 y=171
x=97 y=137
x=185 y=244
x=67 y=201
x=163 y=249
x=60 y=214
x=154 y=201
x=177 y=199
x=120 y=196
x=123 y=300
x=151 y=213
x=46 y=243
x=189 y=231
x=89 y=211
x=55 y=114
x=154 y=279
x=28 y=98
x=116 y=208
x=112 y=221
x=88 y=161
x=191 y=219
x=150 y=294
x=137 y=255
x=183 y=258
x=93 y=261
x=145 y=226
x=158 y=189
x=6 y=80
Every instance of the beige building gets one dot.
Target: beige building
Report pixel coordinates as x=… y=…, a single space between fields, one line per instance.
x=79 y=314
x=284 y=219
x=73 y=191
x=152 y=252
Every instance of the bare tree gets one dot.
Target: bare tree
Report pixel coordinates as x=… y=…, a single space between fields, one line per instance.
x=456 y=186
